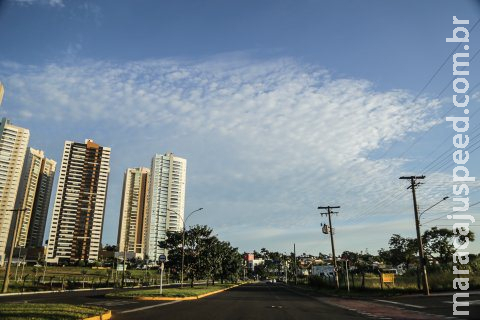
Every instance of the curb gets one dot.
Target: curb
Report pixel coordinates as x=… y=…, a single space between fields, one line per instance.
x=184 y=298
x=105 y=316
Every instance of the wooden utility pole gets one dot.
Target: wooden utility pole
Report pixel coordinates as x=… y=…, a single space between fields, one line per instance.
x=329 y=213
x=423 y=267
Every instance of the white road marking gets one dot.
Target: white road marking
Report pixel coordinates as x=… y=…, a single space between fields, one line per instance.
x=470 y=302
x=150 y=307
x=402 y=304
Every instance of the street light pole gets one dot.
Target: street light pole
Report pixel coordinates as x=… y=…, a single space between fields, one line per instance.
x=183 y=239
x=443 y=199
x=6 y=279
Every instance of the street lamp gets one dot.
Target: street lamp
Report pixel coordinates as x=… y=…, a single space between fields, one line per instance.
x=184 y=221
x=444 y=198
x=6 y=280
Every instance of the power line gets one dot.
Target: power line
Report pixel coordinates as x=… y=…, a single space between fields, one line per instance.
x=433 y=77
x=443 y=64
x=443 y=217
x=462 y=68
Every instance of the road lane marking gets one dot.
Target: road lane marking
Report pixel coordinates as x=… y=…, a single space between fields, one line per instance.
x=471 y=302
x=402 y=304
x=150 y=307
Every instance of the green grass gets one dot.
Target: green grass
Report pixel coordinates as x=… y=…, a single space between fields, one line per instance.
x=170 y=292
x=405 y=284
x=40 y=311
x=75 y=278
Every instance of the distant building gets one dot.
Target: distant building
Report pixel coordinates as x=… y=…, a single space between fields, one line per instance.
x=13 y=145
x=132 y=229
x=2 y=91
x=249 y=256
x=77 y=221
x=167 y=191
x=34 y=194
x=252 y=262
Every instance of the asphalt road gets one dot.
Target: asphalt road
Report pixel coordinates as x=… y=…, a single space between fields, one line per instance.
x=264 y=301
x=254 y=301
x=440 y=304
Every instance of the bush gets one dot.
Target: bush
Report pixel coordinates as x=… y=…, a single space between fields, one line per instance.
x=321 y=282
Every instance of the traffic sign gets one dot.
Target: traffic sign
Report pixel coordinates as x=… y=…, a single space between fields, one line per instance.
x=162 y=258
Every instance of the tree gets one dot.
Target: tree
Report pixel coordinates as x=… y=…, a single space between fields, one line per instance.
x=438 y=243
x=213 y=254
x=231 y=263
x=364 y=264
x=205 y=255
x=353 y=260
x=109 y=247
x=402 y=250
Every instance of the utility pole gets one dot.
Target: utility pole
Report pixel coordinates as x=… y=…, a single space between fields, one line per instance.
x=329 y=213
x=295 y=262
x=423 y=268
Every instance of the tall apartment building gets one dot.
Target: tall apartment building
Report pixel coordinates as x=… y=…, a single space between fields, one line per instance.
x=34 y=194
x=2 y=91
x=167 y=191
x=13 y=145
x=77 y=221
x=134 y=211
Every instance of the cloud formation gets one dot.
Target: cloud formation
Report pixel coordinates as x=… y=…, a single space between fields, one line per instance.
x=265 y=139
x=52 y=3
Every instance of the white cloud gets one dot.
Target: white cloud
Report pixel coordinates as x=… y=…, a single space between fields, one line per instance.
x=267 y=141
x=52 y=3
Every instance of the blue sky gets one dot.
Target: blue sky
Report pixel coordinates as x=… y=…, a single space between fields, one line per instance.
x=278 y=106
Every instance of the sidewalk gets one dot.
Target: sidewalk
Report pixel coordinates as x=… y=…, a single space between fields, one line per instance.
x=368 y=308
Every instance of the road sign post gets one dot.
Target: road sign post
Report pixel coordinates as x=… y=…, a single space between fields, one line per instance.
x=162 y=259
x=161 y=278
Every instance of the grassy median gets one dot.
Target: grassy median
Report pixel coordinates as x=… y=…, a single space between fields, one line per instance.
x=43 y=311
x=170 y=292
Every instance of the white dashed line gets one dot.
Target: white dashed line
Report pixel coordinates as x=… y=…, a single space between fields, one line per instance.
x=401 y=304
x=150 y=307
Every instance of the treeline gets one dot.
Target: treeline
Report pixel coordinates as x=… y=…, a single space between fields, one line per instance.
x=205 y=256
x=437 y=245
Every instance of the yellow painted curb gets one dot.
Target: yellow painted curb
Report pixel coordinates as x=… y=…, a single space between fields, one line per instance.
x=164 y=298
x=185 y=298
x=106 y=316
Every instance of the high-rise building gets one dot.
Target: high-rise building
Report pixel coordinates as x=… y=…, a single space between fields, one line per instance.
x=34 y=195
x=134 y=211
x=77 y=221
x=167 y=191
x=13 y=145
x=1 y=93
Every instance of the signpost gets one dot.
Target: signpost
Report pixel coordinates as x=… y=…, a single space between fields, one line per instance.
x=162 y=259
x=348 y=280
x=387 y=278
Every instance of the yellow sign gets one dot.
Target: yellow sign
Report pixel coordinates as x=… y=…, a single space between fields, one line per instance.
x=388 y=278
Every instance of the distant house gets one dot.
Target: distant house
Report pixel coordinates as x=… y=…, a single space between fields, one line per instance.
x=251 y=262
